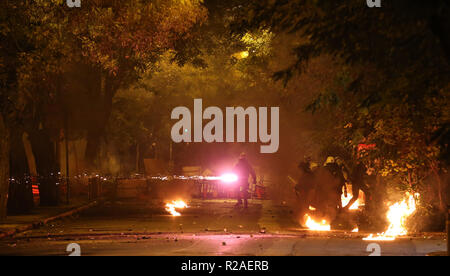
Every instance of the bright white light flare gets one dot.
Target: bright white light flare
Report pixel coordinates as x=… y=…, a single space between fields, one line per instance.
x=229 y=178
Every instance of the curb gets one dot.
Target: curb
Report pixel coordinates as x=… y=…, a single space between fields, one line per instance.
x=37 y=224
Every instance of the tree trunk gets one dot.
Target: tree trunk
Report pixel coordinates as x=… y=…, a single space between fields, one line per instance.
x=29 y=153
x=4 y=167
x=137 y=157
x=96 y=133
x=94 y=138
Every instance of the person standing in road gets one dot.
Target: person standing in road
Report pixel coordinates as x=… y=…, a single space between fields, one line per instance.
x=243 y=170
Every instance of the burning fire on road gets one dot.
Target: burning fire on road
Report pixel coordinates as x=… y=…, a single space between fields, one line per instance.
x=397 y=215
x=175 y=204
x=316 y=226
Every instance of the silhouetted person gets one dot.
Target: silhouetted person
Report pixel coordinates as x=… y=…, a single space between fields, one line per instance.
x=336 y=171
x=358 y=182
x=305 y=187
x=243 y=169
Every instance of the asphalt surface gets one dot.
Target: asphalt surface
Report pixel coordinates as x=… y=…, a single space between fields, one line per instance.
x=212 y=227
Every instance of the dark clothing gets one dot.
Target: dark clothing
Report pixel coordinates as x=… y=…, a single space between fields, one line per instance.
x=305 y=182
x=305 y=188
x=357 y=179
x=336 y=172
x=358 y=174
x=242 y=195
x=243 y=170
x=305 y=167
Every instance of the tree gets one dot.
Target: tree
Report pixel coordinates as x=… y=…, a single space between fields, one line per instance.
x=113 y=41
x=393 y=89
x=43 y=42
x=13 y=42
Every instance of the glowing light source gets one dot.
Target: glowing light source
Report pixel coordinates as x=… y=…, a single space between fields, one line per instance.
x=175 y=204
x=229 y=177
x=241 y=55
x=346 y=199
x=378 y=237
x=317 y=226
x=397 y=215
x=244 y=54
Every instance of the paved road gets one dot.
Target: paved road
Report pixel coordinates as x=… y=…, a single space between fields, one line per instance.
x=212 y=227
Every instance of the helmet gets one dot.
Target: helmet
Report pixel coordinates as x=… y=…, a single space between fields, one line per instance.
x=330 y=160
x=243 y=155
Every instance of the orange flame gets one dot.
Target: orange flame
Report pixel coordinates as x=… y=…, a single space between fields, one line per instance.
x=317 y=226
x=397 y=215
x=175 y=204
x=346 y=199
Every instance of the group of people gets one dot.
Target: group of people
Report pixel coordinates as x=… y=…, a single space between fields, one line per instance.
x=318 y=186
x=321 y=187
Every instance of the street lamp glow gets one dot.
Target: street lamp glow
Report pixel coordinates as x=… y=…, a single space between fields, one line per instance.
x=244 y=54
x=241 y=55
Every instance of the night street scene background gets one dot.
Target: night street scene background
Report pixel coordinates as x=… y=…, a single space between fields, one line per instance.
x=224 y=128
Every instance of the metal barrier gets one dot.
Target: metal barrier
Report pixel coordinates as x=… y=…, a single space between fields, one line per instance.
x=144 y=188
x=218 y=189
x=93 y=188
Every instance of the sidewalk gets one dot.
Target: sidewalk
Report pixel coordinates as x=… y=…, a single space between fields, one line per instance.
x=41 y=215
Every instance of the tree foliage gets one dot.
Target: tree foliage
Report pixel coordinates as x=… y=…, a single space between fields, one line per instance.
x=44 y=45
x=394 y=85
